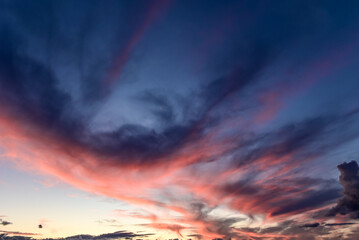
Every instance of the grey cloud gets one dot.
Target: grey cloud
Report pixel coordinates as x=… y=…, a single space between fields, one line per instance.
x=293 y=230
x=291 y=196
x=4 y=223
x=349 y=179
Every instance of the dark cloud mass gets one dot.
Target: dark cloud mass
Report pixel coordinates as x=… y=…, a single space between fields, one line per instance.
x=212 y=119
x=4 y=223
x=349 y=179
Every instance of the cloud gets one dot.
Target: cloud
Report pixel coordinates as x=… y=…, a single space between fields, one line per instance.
x=294 y=230
x=7 y=237
x=132 y=142
x=278 y=198
x=120 y=234
x=107 y=236
x=161 y=106
x=210 y=226
x=16 y=233
x=309 y=200
x=155 y=11
x=314 y=225
x=311 y=225
x=4 y=223
x=349 y=179
x=165 y=226
x=300 y=140
x=213 y=156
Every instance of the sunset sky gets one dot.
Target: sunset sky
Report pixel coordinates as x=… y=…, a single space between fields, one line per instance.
x=188 y=119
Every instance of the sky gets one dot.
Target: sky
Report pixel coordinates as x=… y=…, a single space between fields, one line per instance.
x=164 y=119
